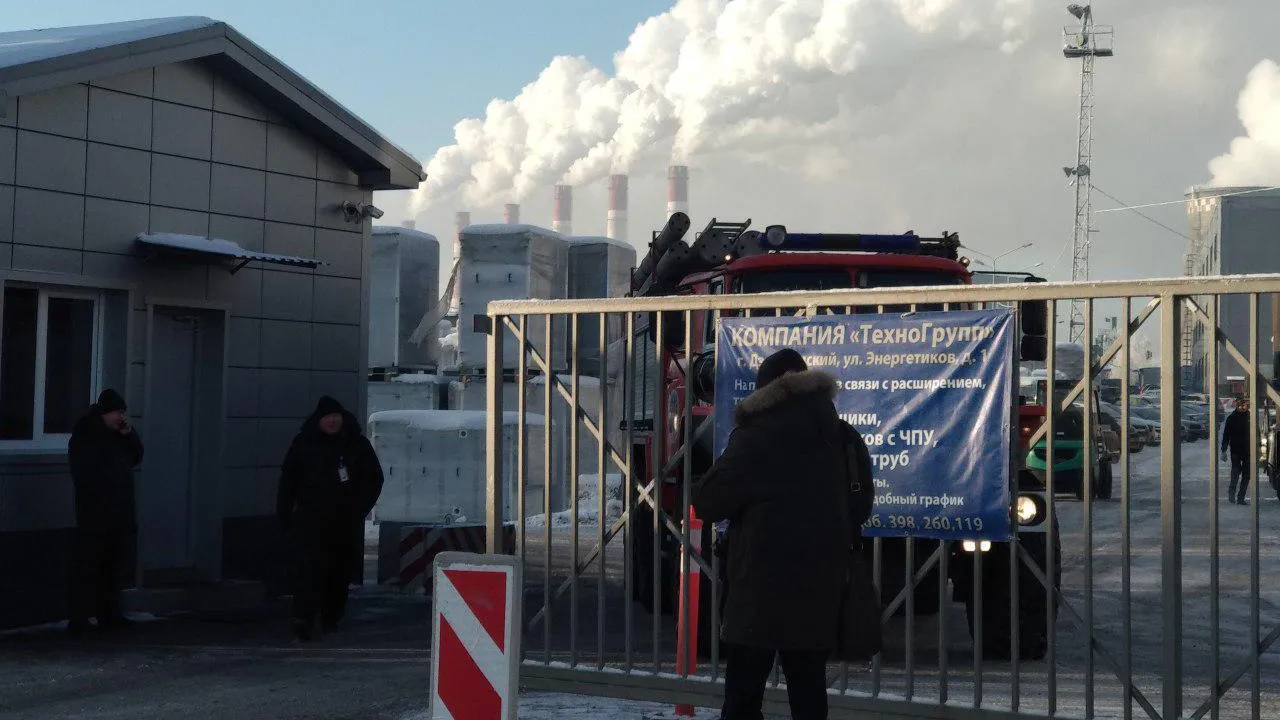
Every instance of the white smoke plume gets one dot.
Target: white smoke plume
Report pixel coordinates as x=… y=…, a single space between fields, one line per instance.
x=1254 y=158
x=707 y=76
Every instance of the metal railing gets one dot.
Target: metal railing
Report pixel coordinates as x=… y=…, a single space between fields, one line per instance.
x=1150 y=608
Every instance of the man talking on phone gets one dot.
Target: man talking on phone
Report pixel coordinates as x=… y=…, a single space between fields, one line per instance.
x=103 y=452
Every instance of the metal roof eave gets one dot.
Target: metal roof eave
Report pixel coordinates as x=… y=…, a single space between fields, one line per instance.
x=189 y=245
x=381 y=165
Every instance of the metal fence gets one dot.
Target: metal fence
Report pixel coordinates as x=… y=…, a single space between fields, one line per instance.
x=1153 y=598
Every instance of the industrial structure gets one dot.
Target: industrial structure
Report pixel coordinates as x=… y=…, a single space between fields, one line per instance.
x=1084 y=42
x=616 y=220
x=562 y=209
x=677 y=190
x=1232 y=231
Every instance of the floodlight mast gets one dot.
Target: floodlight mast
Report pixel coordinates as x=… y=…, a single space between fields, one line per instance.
x=1085 y=42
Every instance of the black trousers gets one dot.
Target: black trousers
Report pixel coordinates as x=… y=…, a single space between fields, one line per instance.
x=1239 y=477
x=96 y=576
x=747 y=671
x=323 y=578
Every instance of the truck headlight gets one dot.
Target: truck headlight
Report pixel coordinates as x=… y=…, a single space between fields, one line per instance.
x=1029 y=510
x=976 y=545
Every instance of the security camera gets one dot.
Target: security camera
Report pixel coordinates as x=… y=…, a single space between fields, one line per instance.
x=351 y=212
x=355 y=212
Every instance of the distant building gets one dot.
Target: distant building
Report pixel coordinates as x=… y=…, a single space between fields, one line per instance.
x=1233 y=231
x=185 y=219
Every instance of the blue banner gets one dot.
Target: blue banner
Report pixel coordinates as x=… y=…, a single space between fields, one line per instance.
x=931 y=394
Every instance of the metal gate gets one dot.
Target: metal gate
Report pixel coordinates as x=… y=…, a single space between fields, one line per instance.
x=1162 y=611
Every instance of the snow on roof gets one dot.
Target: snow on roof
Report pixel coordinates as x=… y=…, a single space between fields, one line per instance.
x=28 y=46
x=220 y=247
x=446 y=420
x=600 y=240
x=404 y=231
x=38 y=60
x=509 y=229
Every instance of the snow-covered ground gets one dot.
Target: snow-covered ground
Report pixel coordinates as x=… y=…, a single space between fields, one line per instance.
x=551 y=706
x=588 y=504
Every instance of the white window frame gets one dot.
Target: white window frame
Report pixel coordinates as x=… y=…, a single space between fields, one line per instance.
x=40 y=440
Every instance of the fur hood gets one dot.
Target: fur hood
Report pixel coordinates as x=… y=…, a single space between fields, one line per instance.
x=785 y=388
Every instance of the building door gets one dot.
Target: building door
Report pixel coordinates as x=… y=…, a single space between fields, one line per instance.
x=168 y=484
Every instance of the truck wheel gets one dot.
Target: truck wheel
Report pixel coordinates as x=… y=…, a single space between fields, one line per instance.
x=642 y=562
x=642 y=567
x=1104 y=485
x=1033 y=640
x=1033 y=636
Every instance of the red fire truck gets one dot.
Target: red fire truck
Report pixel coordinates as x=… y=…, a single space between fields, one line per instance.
x=728 y=257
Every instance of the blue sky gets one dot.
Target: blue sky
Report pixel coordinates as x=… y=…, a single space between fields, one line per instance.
x=411 y=68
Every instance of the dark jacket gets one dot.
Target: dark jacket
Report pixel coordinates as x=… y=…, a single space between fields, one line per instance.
x=782 y=482
x=1235 y=434
x=102 y=462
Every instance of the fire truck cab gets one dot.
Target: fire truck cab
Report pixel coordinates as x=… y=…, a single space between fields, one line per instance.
x=728 y=258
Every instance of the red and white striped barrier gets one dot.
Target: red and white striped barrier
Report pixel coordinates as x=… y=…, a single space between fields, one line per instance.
x=419 y=546
x=475 y=638
x=687 y=627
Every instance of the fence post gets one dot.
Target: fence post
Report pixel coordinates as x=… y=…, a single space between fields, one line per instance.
x=1171 y=500
x=493 y=442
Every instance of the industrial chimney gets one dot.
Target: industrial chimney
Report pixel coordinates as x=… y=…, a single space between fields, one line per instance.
x=562 y=210
x=616 y=222
x=462 y=220
x=677 y=190
x=511 y=213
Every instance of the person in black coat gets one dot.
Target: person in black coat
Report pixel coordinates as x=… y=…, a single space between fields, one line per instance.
x=783 y=485
x=103 y=451
x=1235 y=445
x=330 y=480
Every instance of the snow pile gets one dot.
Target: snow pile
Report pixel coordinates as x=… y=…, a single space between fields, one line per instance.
x=588 y=504
x=1254 y=158
x=706 y=76
x=415 y=379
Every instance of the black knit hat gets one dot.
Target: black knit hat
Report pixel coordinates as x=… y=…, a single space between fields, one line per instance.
x=329 y=406
x=110 y=401
x=779 y=364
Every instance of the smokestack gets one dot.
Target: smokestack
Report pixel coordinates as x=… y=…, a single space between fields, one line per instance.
x=511 y=213
x=616 y=222
x=562 y=210
x=409 y=225
x=462 y=220
x=677 y=190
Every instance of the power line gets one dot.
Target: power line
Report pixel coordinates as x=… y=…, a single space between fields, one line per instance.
x=1061 y=253
x=1139 y=213
x=1184 y=200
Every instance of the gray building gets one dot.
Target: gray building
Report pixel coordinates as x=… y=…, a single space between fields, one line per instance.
x=1233 y=231
x=185 y=219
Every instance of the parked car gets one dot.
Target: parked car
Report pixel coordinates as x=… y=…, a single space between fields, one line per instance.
x=1152 y=414
x=1197 y=418
x=1151 y=429
x=1138 y=437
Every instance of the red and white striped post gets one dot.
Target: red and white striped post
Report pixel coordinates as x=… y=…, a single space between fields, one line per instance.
x=475 y=641
x=687 y=627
